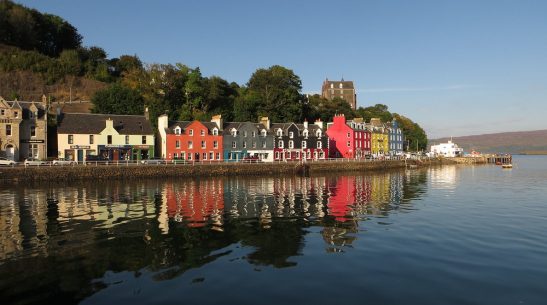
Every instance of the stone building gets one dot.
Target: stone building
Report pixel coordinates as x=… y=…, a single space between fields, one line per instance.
x=341 y=89
x=23 y=129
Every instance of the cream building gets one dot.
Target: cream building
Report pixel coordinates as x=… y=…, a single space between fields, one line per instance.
x=116 y=137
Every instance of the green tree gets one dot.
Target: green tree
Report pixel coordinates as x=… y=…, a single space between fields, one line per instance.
x=414 y=134
x=319 y=107
x=118 y=99
x=376 y=111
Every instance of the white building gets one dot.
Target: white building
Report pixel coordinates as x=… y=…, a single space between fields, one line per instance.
x=447 y=150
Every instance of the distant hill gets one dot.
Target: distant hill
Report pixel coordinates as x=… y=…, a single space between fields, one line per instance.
x=520 y=142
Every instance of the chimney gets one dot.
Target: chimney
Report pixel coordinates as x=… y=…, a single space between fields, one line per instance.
x=163 y=122
x=265 y=121
x=319 y=123
x=339 y=119
x=146 y=114
x=109 y=123
x=358 y=120
x=218 y=120
x=306 y=124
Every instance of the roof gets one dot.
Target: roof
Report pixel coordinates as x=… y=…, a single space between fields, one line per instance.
x=87 y=123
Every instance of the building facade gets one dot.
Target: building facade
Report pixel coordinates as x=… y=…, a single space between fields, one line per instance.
x=112 y=137
x=295 y=142
x=23 y=129
x=191 y=141
x=348 y=139
x=396 y=138
x=341 y=89
x=448 y=149
x=248 y=141
x=379 y=137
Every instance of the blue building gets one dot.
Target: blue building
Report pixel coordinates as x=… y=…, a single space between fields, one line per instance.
x=396 y=138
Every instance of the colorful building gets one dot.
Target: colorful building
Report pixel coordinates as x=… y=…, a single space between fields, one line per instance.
x=191 y=141
x=294 y=142
x=380 y=137
x=348 y=139
x=396 y=138
x=23 y=129
x=116 y=137
x=248 y=141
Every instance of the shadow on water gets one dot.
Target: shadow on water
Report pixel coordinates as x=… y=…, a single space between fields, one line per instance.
x=58 y=243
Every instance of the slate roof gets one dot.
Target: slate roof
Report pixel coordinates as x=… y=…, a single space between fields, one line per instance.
x=87 y=123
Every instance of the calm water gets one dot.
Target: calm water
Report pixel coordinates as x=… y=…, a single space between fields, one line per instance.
x=445 y=235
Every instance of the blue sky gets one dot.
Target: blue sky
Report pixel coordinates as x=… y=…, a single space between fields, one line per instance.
x=455 y=67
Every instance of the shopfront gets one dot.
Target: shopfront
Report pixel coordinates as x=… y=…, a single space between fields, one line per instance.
x=78 y=152
x=126 y=152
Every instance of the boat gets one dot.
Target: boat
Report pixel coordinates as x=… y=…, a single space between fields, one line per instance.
x=507 y=165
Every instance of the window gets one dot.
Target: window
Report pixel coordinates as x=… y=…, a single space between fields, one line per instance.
x=177 y=144
x=332 y=85
x=304 y=143
x=319 y=144
x=215 y=144
x=215 y=132
x=204 y=156
x=177 y=130
x=234 y=144
x=202 y=132
x=211 y=156
x=218 y=156
x=190 y=156
x=253 y=134
x=291 y=144
x=143 y=139
x=254 y=144
x=183 y=155
x=32 y=131
x=30 y=115
x=91 y=139
x=263 y=132
x=279 y=132
x=33 y=151
x=244 y=144
x=263 y=144
x=280 y=144
x=2 y=112
x=245 y=133
x=70 y=139
x=305 y=133
x=190 y=146
x=291 y=134
x=276 y=155
x=349 y=135
x=191 y=132
x=308 y=154
x=176 y=156
x=202 y=144
x=318 y=134
x=109 y=139
x=234 y=132
x=126 y=140
x=16 y=114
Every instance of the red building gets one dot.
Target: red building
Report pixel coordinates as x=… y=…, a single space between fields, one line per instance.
x=190 y=141
x=348 y=139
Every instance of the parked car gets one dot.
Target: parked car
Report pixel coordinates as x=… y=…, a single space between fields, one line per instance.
x=6 y=162
x=63 y=162
x=153 y=161
x=96 y=158
x=250 y=159
x=34 y=162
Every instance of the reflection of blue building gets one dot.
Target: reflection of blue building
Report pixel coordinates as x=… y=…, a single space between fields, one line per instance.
x=396 y=138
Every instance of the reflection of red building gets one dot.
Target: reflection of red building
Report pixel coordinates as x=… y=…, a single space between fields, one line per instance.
x=348 y=139
x=347 y=194
x=196 y=202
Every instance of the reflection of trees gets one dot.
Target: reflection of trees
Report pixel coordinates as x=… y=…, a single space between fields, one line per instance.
x=70 y=237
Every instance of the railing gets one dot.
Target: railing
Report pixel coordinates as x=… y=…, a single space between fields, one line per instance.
x=158 y=162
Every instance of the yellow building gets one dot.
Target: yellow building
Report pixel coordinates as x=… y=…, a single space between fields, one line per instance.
x=380 y=137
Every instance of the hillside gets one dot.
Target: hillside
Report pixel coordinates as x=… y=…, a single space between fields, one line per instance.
x=528 y=142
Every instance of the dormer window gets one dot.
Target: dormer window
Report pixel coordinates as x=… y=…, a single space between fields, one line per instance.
x=245 y=133
x=263 y=132
x=177 y=130
x=291 y=134
x=253 y=134
x=279 y=132
x=234 y=132
x=318 y=134
x=202 y=132
x=215 y=132
x=305 y=133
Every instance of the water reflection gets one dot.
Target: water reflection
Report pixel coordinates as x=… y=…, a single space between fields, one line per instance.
x=72 y=237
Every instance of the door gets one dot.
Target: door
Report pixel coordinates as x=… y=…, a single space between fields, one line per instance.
x=80 y=155
x=10 y=152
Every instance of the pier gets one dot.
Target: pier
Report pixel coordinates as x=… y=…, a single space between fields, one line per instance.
x=500 y=159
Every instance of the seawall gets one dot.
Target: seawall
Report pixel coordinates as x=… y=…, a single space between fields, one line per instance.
x=16 y=175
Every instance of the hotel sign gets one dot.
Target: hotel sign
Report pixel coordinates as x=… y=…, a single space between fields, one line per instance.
x=80 y=147
x=32 y=141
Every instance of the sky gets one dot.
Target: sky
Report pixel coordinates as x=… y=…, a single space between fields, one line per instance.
x=454 y=67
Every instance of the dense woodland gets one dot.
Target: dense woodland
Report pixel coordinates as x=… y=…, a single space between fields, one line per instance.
x=41 y=46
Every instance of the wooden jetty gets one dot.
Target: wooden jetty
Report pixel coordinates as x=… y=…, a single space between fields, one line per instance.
x=500 y=159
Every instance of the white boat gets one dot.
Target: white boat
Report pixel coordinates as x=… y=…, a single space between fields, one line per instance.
x=507 y=165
